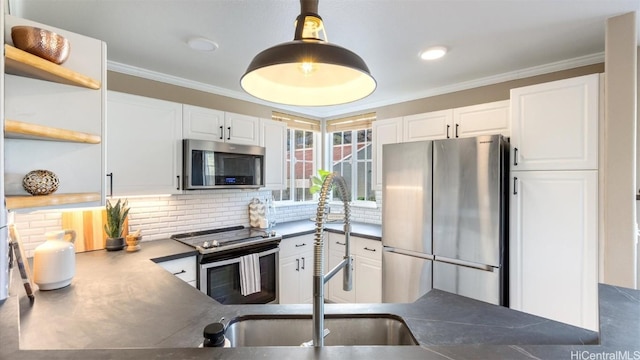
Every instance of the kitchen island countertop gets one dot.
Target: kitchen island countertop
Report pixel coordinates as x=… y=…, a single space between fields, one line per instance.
x=124 y=306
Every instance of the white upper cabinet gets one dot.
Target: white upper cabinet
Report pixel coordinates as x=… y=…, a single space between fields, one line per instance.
x=144 y=145
x=387 y=131
x=241 y=129
x=202 y=123
x=428 y=126
x=554 y=126
x=273 y=137
x=209 y=124
x=483 y=119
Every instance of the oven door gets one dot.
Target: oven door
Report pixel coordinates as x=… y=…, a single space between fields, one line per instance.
x=221 y=279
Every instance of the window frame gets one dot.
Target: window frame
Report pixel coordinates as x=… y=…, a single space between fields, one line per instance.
x=317 y=161
x=354 y=167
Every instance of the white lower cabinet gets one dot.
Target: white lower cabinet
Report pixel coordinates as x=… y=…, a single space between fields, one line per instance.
x=554 y=245
x=296 y=270
x=367 y=270
x=183 y=268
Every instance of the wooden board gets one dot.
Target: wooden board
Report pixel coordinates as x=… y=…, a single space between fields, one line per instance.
x=21 y=260
x=89 y=228
x=23 y=130
x=29 y=201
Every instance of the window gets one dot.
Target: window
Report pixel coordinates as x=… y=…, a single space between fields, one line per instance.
x=302 y=159
x=351 y=158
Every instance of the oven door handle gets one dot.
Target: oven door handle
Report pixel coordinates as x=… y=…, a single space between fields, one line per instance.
x=235 y=259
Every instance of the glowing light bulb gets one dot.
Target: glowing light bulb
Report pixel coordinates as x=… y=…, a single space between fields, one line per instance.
x=307 y=68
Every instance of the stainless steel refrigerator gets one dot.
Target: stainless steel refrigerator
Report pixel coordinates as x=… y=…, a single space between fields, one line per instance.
x=444 y=219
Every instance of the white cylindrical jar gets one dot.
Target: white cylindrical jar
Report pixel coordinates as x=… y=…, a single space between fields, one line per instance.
x=54 y=261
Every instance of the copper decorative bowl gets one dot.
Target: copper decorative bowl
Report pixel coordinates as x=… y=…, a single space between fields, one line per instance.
x=42 y=43
x=40 y=182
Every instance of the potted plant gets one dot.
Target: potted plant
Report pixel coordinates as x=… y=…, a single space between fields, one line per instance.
x=116 y=215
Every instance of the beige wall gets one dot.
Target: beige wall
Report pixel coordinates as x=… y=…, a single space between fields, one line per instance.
x=150 y=88
x=618 y=250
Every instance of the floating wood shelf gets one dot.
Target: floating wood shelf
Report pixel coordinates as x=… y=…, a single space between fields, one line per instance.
x=18 y=62
x=21 y=130
x=28 y=201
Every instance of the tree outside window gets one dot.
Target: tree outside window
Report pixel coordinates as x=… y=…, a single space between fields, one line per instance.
x=356 y=169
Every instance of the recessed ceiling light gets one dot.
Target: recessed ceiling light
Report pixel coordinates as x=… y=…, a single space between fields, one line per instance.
x=202 y=44
x=433 y=53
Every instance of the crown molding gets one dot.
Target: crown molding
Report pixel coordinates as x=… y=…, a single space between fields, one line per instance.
x=318 y=112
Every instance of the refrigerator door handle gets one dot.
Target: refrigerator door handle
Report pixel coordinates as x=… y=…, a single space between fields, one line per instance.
x=408 y=253
x=464 y=263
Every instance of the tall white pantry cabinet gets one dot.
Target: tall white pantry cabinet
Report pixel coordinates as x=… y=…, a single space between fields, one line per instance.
x=554 y=200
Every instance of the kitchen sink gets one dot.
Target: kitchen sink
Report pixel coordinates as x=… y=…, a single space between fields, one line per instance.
x=344 y=330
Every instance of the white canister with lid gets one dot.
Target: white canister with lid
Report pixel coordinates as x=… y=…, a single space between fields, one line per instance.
x=54 y=261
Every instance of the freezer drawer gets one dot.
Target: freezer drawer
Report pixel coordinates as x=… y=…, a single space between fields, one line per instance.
x=404 y=278
x=478 y=284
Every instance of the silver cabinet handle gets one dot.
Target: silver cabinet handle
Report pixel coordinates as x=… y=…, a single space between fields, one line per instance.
x=303 y=262
x=515 y=185
x=515 y=156
x=297 y=264
x=178 y=187
x=300 y=245
x=366 y=248
x=340 y=243
x=180 y=272
x=229 y=134
x=221 y=132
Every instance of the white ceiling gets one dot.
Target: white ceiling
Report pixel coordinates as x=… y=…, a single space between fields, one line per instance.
x=489 y=41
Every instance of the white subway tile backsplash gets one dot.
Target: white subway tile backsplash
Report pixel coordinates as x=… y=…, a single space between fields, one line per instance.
x=160 y=217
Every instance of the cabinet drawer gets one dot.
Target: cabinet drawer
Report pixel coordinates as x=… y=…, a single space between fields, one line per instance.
x=370 y=249
x=296 y=245
x=183 y=268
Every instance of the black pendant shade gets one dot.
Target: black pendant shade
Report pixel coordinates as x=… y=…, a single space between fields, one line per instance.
x=308 y=71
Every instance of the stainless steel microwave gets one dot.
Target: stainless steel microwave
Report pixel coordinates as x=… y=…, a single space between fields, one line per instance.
x=219 y=165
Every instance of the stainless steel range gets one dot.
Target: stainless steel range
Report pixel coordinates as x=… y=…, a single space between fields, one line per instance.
x=222 y=254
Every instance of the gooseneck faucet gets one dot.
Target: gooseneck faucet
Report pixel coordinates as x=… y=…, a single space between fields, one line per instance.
x=319 y=279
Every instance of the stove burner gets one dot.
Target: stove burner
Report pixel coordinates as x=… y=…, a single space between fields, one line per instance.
x=237 y=237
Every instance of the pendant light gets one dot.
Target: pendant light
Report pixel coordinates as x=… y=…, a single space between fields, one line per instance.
x=308 y=71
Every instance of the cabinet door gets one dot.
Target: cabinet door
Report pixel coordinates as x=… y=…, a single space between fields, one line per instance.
x=428 y=126
x=183 y=268
x=553 y=245
x=369 y=279
x=202 y=124
x=336 y=291
x=554 y=126
x=289 y=275
x=144 y=142
x=306 y=276
x=384 y=132
x=483 y=119
x=241 y=129
x=273 y=137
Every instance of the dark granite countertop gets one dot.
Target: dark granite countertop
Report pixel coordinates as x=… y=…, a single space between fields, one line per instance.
x=124 y=306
